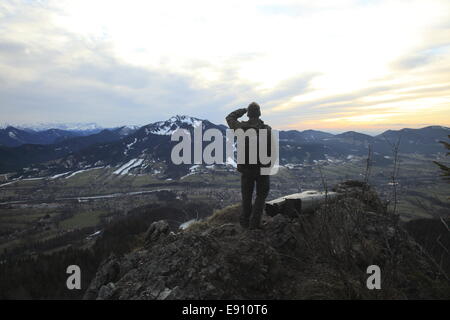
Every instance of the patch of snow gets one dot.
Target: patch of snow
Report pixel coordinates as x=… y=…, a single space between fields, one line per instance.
x=189 y=174
x=59 y=175
x=8 y=183
x=80 y=171
x=96 y=233
x=194 y=168
x=186 y=224
x=197 y=123
x=129 y=146
x=74 y=173
x=19 y=179
x=186 y=120
x=113 y=195
x=230 y=161
x=168 y=127
x=124 y=169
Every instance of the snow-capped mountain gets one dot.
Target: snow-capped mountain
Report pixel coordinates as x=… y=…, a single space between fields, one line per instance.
x=126 y=130
x=176 y=122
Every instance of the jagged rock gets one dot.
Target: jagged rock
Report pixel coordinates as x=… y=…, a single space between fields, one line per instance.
x=156 y=230
x=108 y=272
x=106 y=291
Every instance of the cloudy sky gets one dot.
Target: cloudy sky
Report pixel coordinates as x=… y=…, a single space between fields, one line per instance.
x=331 y=65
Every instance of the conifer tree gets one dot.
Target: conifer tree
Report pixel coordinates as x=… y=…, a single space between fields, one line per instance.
x=445 y=170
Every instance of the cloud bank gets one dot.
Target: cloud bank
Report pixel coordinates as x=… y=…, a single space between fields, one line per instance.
x=347 y=65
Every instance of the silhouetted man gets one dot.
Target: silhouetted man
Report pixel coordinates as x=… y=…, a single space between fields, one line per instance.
x=251 y=173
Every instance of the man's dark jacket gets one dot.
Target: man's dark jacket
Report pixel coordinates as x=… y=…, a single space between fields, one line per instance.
x=256 y=124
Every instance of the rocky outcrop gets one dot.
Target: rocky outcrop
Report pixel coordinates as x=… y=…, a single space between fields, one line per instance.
x=157 y=230
x=323 y=255
x=298 y=203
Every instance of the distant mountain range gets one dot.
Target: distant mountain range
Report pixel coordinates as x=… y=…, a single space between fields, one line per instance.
x=147 y=149
x=71 y=126
x=13 y=136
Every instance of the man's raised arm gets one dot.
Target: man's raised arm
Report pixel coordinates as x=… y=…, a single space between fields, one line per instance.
x=232 y=118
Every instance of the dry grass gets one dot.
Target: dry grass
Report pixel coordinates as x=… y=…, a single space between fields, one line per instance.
x=228 y=214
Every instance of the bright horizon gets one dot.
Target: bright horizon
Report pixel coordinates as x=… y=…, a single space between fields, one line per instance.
x=93 y=125
x=335 y=66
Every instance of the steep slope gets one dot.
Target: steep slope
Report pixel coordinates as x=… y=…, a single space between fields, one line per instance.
x=323 y=255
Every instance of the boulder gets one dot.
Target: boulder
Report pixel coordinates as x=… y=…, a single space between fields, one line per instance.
x=156 y=230
x=298 y=203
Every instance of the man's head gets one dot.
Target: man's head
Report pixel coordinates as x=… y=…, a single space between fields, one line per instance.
x=253 y=110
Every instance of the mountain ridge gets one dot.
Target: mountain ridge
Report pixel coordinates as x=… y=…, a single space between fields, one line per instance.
x=148 y=148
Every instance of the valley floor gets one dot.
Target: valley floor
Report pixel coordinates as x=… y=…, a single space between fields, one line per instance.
x=37 y=210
